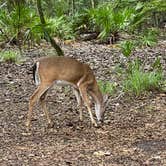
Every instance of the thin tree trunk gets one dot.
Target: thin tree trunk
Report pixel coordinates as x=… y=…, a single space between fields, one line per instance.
x=93 y=4
x=73 y=7
x=18 y=37
x=46 y=34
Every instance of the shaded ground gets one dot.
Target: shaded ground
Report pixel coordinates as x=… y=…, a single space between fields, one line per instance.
x=134 y=130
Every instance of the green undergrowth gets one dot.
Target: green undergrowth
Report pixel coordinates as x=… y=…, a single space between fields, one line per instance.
x=107 y=87
x=9 y=56
x=139 y=81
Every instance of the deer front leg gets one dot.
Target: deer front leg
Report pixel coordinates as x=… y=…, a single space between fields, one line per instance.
x=84 y=94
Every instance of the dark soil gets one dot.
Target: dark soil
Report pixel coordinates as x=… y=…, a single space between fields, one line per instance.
x=134 y=132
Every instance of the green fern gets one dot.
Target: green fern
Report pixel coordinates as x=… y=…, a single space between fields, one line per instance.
x=60 y=27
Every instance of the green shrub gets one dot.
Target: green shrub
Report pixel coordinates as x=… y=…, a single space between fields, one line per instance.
x=60 y=27
x=21 y=23
x=108 y=21
x=81 y=22
x=9 y=56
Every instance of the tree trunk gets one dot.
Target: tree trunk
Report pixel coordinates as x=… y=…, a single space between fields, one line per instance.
x=46 y=34
x=19 y=36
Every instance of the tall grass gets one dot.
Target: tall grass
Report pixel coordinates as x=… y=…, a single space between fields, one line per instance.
x=138 y=81
x=9 y=56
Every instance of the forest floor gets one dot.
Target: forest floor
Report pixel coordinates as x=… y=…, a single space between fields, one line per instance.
x=134 y=132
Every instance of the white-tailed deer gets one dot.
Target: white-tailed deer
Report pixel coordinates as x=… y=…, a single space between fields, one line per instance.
x=65 y=70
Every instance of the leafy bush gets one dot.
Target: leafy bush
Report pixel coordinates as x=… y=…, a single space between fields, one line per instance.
x=60 y=28
x=138 y=17
x=81 y=22
x=9 y=56
x=19 y=19
x=107 y=21
x=138 y=81
x=20 y=23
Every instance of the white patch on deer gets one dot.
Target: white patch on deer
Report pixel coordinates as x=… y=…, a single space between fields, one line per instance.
x=98 y=110
x=37 y=77
x=64 y=83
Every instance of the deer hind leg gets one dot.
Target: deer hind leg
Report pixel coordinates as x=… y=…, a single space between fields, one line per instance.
x=33 y=99
x=84 y=94
x=44 y=108
x=79 y=101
